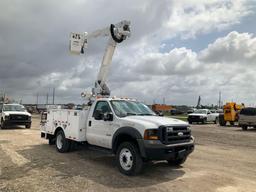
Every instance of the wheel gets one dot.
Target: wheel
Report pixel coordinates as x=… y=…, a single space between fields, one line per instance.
x=2 y=125
x=62 y=144
x=204 y=121
x=28 y=126
x=232 y=123
x=244 y=127
x=216 y=120
x=128 y=159
x=177 y=162
x=222 y=121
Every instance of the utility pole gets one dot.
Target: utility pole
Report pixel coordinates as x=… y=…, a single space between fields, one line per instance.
x=37 y=98
x=47 y=98
x=220 y=99
x=53 y=95
x=164 y=101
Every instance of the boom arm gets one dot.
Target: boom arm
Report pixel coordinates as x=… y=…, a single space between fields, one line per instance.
x=116 y=33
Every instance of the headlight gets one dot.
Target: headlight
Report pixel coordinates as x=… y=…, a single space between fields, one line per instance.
x=151 y=134
x=6 y=117
x=201 y=117
x=29 y=117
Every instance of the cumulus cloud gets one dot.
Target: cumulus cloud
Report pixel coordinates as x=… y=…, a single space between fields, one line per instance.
x=233 y=48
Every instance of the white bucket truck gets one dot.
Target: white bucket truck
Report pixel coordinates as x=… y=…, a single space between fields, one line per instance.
x=127 y=128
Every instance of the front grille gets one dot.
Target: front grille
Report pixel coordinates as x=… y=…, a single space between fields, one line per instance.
x=18 y=117
x=194 y=117
x=174 y=134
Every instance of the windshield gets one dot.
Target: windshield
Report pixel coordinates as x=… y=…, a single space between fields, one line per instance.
x=201 y=111
x=14 y=108
x=124 y=108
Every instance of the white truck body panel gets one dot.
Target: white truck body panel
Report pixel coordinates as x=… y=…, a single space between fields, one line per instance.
x=73 y=123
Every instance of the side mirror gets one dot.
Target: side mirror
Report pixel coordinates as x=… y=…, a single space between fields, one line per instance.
x=98 y=115
x=108 y=117
x=208 y=113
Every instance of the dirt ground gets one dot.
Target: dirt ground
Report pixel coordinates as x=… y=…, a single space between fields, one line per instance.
x=224 y=161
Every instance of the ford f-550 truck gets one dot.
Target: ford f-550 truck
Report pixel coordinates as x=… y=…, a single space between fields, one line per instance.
x=127 y=128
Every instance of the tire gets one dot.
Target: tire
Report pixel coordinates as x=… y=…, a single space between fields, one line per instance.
x=2 y=125
x=216 y=120
x=125 y=151
x=244 y=127
x=222 y=121
x=62 y=144
x=177 y=162
x=204 y=121
x=28 y=126
x=232 y=123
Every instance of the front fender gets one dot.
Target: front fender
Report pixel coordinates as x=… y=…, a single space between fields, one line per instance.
x=130 y=131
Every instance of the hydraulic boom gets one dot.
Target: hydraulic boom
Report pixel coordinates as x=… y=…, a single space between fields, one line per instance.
x=116 y=33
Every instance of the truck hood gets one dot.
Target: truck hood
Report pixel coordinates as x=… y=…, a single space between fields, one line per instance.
x=154 y=121
x=197 y=114
x=16 y=113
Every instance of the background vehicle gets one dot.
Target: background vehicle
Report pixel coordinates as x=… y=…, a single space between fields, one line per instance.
x=247 y=118
x=230 y=113
x=203 y=116
x=14 y=114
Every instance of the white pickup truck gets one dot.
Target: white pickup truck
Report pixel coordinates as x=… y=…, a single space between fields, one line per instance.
x=203 y=116
x=127 y=128
x=14 y=114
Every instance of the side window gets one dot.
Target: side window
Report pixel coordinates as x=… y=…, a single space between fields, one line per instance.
x=102 y=106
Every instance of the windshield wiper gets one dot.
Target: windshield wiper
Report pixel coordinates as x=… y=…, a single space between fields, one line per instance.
x=146 y=114
x=131 y=114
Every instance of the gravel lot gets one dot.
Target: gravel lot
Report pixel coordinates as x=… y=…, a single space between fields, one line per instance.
x=224 y=161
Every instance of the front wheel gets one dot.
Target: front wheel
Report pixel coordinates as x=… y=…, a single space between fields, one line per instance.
x=204 y=121
x=128 y=159
x=2 y=125
x=28 y=126
x=177 y=162
x=62 y=144
x=216 y=120
x=244 y=127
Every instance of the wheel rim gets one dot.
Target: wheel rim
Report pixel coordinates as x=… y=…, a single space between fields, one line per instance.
x=59 y=141
x=126 y=159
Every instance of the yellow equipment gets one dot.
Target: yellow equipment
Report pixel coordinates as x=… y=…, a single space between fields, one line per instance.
x=230 y=113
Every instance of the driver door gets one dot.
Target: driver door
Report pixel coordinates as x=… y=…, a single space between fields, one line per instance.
x=99 y=131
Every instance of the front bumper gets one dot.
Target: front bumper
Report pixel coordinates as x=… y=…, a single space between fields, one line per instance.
x=155 y=150
x=17 y=122
x=195 y=119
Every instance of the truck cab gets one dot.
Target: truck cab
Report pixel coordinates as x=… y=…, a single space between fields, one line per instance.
x=14 y=114
x=127 y=128
x=203 y=116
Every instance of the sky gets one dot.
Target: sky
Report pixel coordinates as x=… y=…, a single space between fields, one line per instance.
x=177 y=51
